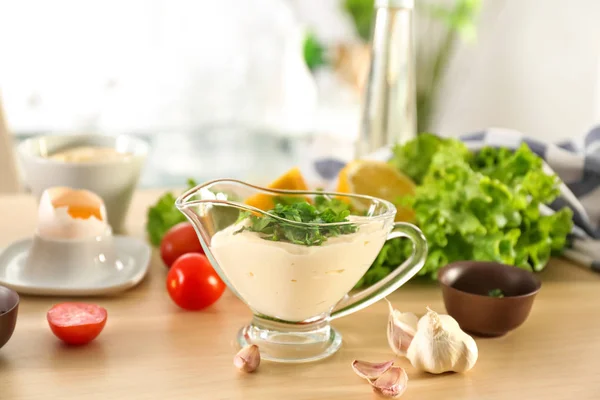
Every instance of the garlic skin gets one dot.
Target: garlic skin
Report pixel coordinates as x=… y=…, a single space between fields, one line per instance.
x=401 y=329
x=247 y=359
x=441 y=346
x=369 y=370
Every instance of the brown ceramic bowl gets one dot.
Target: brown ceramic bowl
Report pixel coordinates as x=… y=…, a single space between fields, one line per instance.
x=466 y=286
x=9 y=307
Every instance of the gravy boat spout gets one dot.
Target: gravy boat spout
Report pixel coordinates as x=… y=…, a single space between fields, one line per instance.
x=293 y=257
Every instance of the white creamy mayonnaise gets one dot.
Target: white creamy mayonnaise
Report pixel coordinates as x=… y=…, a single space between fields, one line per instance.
x=295 y=282
x=84 y=154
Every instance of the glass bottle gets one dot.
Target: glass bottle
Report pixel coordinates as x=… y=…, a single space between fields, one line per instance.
x=389 y=109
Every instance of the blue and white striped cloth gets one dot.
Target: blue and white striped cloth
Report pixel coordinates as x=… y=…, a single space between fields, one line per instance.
x=576 y=162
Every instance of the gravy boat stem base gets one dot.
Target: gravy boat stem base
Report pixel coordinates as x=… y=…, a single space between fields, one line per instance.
x=291 y=343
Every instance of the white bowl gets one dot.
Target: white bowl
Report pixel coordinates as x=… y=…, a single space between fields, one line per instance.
x=113 y=180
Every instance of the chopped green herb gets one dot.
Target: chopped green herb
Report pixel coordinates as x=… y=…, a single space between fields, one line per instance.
x=325 y=211
x=496 y=293
x=323 y=202
x=288 y=200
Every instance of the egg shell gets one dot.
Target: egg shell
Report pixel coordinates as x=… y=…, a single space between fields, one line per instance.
x=65 y=213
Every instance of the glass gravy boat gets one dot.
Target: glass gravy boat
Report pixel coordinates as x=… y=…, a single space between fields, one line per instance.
x=293 y=289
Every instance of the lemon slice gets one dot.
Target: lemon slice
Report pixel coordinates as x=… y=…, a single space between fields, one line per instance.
x=377 y=179
x=291 y=180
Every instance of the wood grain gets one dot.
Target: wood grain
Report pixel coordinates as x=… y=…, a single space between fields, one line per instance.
x=152 y=350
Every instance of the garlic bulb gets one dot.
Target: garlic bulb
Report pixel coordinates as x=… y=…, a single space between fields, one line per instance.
x=441 y=346
x=401 y=329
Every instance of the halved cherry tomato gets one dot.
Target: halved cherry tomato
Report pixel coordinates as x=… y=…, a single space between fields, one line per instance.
x=76 y=323
x=192 y=282
x=179 y=240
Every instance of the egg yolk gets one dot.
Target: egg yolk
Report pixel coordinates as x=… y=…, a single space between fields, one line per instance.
x=84 y=212
x=78 y=204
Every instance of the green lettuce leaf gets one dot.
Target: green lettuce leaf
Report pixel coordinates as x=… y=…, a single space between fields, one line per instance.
x=163 y=215
x=414 y=157
x=483 y=206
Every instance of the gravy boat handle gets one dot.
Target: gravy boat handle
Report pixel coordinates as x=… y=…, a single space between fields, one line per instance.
x=394 y=280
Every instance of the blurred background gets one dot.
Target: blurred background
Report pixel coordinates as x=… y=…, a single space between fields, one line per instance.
x=249 y=88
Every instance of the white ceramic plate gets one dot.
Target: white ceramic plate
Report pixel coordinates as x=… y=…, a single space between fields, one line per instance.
x=133 y=260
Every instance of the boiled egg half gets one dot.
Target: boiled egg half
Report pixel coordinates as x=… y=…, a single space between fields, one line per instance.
x=65 y=213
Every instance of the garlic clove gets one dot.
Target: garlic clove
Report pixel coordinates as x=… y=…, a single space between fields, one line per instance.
x=401 y=329
x=392 y=383
x=368 y=370
x=247 y=359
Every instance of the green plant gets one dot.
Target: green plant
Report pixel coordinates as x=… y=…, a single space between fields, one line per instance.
x=361 y=12
x=433 y=53
x=433 y=57
x=314 y=52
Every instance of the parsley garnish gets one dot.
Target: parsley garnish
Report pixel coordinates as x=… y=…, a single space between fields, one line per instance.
x=496 y=293
x=325 y=211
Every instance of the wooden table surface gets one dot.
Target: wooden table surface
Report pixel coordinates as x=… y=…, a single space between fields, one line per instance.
x=150 y=349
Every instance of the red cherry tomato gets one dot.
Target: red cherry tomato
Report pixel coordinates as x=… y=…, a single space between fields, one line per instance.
x=179 y=240
x=192 y=282
x=76 y=323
